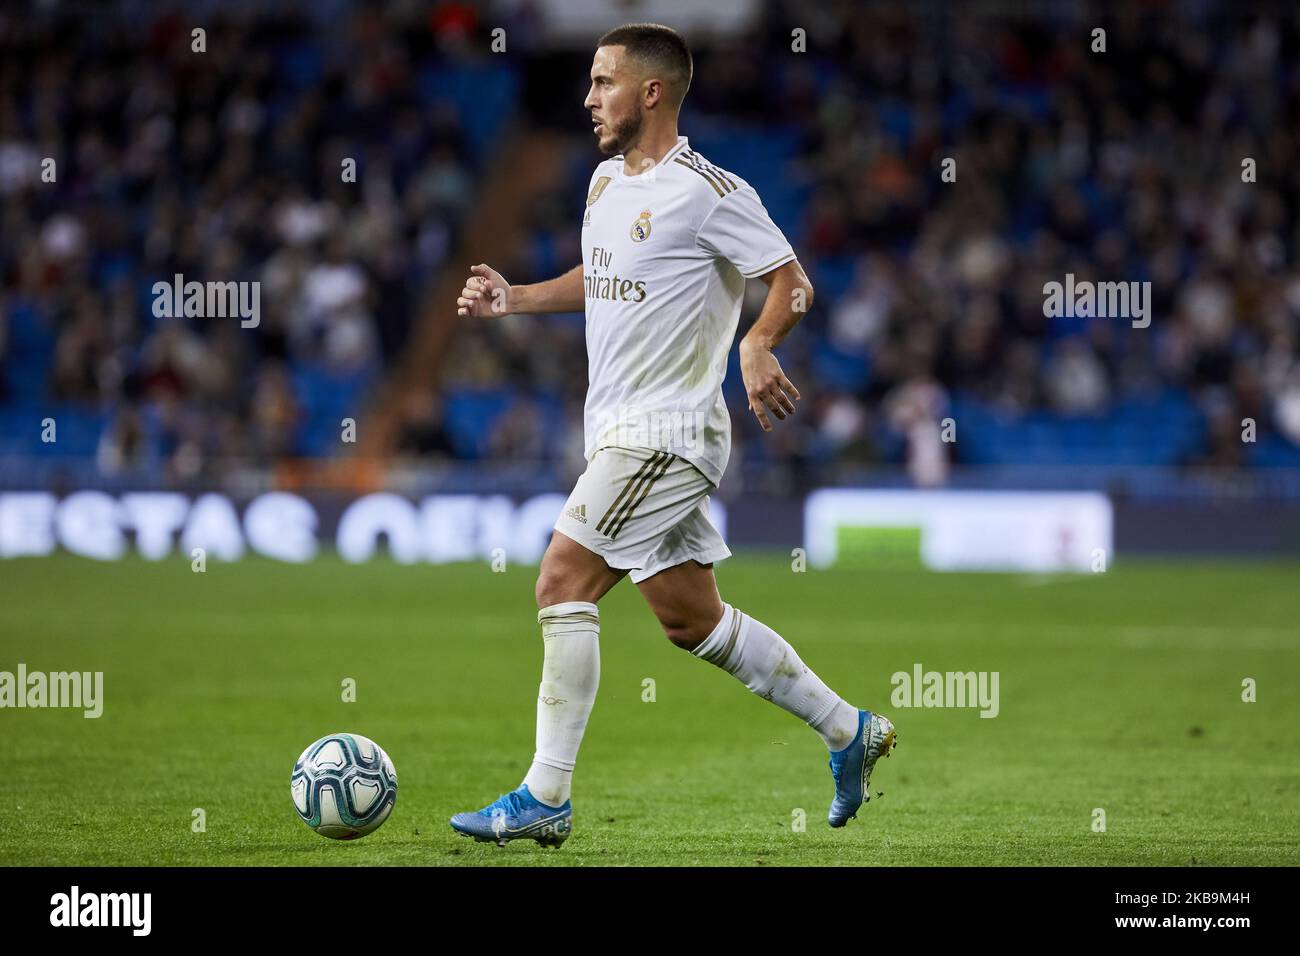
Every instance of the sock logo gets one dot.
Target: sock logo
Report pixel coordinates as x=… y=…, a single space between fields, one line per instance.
x=552 y=701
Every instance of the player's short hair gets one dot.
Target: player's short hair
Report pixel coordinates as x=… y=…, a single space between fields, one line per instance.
x=660 y=48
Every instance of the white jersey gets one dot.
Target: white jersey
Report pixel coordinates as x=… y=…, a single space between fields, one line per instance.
x=665 y=256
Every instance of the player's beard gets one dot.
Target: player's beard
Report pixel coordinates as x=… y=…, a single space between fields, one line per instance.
x=624 y=133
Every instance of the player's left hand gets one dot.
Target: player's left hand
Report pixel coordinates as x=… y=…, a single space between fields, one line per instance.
x=765 y=384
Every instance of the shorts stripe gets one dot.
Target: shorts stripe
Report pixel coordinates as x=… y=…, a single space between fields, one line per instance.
x=627 y=490
x=646 y=485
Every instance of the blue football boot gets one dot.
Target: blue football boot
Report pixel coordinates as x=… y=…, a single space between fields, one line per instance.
x=514 y=816
x=852 y=766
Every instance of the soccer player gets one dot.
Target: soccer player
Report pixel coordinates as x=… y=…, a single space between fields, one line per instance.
x=668 y=240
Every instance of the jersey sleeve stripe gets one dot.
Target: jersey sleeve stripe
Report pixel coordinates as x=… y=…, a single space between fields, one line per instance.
x=703 y=163
x=672 y=152
x=710 y=170
x=716 y=187
x=710 y=174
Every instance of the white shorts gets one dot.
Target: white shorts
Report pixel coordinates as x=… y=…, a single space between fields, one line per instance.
x=642 y=511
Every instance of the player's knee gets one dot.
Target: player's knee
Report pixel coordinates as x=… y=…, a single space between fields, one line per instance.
x=556 y=585
x=682 y=633
x=549 y=589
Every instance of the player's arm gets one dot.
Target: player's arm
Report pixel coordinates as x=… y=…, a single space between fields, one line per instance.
x=487 y=293
x=789 y=296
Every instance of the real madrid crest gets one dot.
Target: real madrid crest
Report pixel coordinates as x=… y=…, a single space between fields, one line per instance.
x=641 y=228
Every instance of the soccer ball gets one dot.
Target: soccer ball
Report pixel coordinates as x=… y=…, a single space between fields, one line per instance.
x=343 y=786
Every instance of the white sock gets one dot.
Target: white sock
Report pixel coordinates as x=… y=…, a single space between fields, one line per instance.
x=763 y=661
x=570 y=675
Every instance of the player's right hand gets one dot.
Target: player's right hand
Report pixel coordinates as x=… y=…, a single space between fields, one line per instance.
x=485 y=293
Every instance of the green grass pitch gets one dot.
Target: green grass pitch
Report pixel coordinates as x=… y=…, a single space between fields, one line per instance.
x=1119 y=691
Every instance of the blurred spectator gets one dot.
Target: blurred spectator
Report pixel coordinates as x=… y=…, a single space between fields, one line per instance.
x=914 y=409
x=422 y=432
x=225 y=167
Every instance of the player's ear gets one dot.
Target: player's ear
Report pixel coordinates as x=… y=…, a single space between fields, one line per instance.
x=654 y=92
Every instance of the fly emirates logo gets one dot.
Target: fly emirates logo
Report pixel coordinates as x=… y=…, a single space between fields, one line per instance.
x=610 y=287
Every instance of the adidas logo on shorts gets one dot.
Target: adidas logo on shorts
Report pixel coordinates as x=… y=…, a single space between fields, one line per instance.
x=578 y=513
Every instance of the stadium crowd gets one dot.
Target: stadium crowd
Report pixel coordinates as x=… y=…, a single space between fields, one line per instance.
x=1173 y=157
